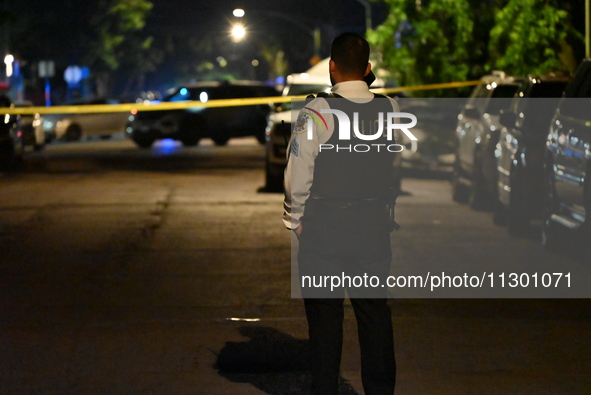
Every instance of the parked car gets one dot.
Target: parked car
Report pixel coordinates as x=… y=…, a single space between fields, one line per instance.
x=48 y=123
x=567 y=189
x=435 y=147
x=192 y=124
x=474 y=178
x=72 y=127
x=520 y=151
x=31 y=126
x=11 y=143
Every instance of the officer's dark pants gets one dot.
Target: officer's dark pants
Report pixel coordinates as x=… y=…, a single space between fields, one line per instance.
x=355 y=242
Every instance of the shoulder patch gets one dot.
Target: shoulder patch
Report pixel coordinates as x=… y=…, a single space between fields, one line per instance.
x=301 y=123
x=295 y=148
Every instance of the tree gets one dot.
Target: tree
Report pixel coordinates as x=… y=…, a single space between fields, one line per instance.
x=425 y=44
x=116 y=38
x=483 y=14
x=142 y=57
x=107 y=36
x=532 y=37
x=446 y=40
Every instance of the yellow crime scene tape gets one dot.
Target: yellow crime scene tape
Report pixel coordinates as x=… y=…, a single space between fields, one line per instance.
x=136 y=107
x=443 y=85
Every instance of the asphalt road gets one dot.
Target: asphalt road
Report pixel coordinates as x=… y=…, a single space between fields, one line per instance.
x=165 y=271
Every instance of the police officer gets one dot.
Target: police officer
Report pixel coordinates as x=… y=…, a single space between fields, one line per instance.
x=336 y=203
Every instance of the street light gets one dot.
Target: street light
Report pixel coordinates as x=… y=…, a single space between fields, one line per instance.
x=238 y=32
x=313 y=32
x=587 y=29
x=8 y=60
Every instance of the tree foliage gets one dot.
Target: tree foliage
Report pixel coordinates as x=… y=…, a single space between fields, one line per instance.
x=117 y=39
x=119 y=22
x=453 y=40
x=107 y=36
x=530 y=36
x=425 y=44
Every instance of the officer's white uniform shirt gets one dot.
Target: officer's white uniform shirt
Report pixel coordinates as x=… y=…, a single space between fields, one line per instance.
x=302 y=151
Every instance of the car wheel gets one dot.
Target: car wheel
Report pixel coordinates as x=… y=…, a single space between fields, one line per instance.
x=221 y=139
x=551 y=232
x=478 y=198
x=105 y=136
x=191 y=130
x=7 y=155
x=143 y=140
x=459 y=190
x=261 y=126
x=28 y=135
x=273 y=178
x=190 y=140
x=11 y=155
x=517 y=219
x=73 y=133
x=261 y=138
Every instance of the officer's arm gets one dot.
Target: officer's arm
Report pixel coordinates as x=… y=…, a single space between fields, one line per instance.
x=299 y=173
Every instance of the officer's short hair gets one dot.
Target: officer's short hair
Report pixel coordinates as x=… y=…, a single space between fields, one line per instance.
x=350 y=52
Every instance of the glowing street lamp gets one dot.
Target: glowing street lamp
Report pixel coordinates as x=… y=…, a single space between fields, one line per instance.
x=238 y=12
x=238 y=32
x=8 y=60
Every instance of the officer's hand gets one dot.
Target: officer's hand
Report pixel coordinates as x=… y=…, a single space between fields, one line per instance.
x=298 y=230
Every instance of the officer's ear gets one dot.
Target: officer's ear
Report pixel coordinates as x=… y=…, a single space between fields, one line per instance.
x=331 y=66
x=367 y=69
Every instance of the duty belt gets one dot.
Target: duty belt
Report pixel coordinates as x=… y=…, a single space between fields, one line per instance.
x=390 y=204
x=347 y=203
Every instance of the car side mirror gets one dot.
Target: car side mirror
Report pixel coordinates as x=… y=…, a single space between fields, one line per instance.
x=471 y=112
x=507 y=118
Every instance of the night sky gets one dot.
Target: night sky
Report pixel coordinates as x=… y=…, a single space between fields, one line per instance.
x=286 y=23
x=50 y=29
x=190 y=32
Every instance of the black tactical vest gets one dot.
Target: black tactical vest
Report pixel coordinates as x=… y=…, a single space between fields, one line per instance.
x=356 y=169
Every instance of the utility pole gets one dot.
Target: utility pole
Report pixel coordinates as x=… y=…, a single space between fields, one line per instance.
x=367 y=6
x=5 y=48
x=587 y=29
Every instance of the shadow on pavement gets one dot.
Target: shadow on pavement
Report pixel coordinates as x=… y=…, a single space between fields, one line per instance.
x=272 y=361
x=132 y=161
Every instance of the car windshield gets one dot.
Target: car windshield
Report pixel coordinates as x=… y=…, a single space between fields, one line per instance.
x=504 y=91
x=501 y=92
x=206 y=93
x=182 y=94
x=548 y=89
x=305 y=89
